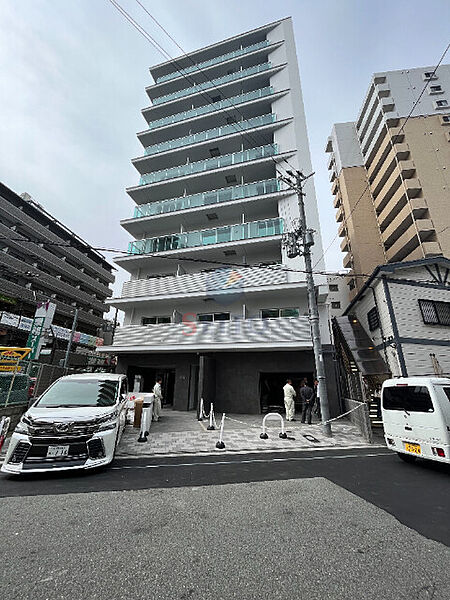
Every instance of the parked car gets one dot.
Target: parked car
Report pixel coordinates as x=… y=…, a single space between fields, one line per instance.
x=416 y=417
x=76 y=423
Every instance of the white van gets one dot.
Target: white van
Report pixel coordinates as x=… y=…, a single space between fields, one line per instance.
x=76 y=423
x=416 y=417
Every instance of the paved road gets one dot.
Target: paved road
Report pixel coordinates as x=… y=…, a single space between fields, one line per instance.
x=298 y=538
x=417 y=495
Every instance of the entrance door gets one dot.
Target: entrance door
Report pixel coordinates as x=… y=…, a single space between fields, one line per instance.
x=271 y=389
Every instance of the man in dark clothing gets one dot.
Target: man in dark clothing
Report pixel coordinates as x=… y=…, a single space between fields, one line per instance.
x=307 y=396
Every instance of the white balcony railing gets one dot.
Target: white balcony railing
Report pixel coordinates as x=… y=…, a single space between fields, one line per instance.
x=228 y=280
x=293 y=333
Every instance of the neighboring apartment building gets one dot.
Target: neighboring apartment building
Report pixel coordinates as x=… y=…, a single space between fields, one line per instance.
x=391 y=176
x=213 y=304
x=40 y=260
x=404 y=308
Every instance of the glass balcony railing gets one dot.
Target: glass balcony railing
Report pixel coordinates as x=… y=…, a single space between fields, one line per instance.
x=207 y=237
x=213 y=83
x=210 y=163
x=209 y=134
x=227 y=194
x=209 y=108
x=213 y=61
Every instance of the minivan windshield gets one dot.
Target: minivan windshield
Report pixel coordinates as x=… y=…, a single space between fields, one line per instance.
x=80 y=392
x=410 y=398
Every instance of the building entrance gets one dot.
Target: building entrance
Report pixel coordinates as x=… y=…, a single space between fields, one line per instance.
x=271 y=389
x=148 y=377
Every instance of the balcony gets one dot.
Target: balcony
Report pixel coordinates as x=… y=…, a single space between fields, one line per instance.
x=227 y=194
x=348 y=261
x=208 y=237
x=209 y=164
x=213 y=61
x=419 y=231
x=242 y=334
x=219 y=282
x=226 y=103
x=213 y=83
x=216 y=132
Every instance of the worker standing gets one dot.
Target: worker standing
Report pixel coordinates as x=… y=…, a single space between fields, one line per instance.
x=158 y=399
x=289 y=400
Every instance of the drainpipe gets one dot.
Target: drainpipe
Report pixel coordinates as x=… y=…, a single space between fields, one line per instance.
x=400 y=355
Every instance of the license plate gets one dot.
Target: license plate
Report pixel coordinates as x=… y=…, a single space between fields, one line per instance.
x=413 y=448
x=55 y=451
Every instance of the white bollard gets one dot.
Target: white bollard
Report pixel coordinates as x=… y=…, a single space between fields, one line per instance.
x=220 y=445
x=212 y=420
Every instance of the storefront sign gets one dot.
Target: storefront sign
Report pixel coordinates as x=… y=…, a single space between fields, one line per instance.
x=9 y=319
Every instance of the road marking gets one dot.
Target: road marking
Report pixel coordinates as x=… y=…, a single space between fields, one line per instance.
x=252 y=460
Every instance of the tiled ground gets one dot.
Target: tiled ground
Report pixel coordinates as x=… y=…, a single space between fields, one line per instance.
x=181 y=433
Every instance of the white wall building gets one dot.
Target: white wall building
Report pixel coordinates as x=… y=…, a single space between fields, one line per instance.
x=405 y=310
x=213 y=303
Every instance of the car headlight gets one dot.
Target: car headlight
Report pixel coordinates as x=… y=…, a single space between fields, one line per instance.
x=107 y=426
x=21 y=427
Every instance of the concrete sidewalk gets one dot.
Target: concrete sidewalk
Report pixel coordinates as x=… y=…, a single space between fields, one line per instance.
x=180 y=433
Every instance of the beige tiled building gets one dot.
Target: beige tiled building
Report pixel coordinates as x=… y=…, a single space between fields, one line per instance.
x=391 y=176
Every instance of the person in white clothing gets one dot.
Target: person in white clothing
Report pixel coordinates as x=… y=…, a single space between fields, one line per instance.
x=289 y=400
x=158 y=398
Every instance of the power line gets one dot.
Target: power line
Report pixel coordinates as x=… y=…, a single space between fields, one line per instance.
x=273 y=267
x=393 y=141
x=173 y=61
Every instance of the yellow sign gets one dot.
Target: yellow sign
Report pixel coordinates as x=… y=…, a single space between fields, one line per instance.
x=8 y=353
x=9 y=368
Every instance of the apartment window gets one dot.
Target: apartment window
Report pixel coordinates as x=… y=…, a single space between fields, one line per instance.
x=333 y=287
x=216 y=98
x=435 y=313
x=231 y=120
x=441 y=103
x=155 y=320
x=351 y=284
x=373 y=319
x=429 y=75
x=336 y=304
x=210 y=317
x=446 y=118
x=214 y=152
x=275 y=313
x=435 y=89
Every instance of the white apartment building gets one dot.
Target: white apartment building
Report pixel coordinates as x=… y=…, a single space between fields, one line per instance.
x=213 y=304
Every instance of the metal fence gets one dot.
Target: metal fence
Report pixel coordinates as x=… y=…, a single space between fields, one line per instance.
x=360 y=418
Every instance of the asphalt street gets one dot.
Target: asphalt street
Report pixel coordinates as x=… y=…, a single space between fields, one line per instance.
x=417 y=495
x=297 y=538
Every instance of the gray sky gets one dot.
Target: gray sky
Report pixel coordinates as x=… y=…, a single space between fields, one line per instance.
x=73 y=72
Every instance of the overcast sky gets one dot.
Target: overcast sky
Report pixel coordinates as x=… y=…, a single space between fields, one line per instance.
x=73 y=72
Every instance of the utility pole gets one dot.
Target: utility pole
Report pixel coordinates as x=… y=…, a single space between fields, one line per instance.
x=69 y=343
x=298 y=243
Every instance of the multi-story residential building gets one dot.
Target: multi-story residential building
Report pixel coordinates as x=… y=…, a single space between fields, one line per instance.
x=40 y=260
x=213 y=304
x=390 y=173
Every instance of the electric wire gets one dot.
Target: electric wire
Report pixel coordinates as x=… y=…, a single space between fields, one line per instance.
x=199 y=69
x=208 y=98
x=272 y=267
x=367 y=187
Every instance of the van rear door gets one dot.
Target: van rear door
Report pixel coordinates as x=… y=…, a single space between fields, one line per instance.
x=410 y=413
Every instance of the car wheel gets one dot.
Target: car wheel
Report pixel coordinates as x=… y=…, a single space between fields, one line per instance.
x=409 y=458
